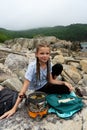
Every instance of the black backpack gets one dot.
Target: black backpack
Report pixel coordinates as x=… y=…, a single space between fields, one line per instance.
x=7 y=99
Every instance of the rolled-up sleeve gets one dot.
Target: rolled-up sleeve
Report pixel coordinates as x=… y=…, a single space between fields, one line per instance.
x=29 y=73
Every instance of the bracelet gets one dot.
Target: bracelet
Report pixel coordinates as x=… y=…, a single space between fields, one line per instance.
x=22 y=96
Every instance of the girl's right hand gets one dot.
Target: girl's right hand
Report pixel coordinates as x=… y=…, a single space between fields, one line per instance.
x=7 y=114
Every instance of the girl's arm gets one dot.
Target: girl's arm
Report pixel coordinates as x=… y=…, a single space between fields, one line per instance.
x=56 y=81
x=22 y=92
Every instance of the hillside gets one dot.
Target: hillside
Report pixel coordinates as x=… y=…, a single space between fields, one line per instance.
x=73 y=32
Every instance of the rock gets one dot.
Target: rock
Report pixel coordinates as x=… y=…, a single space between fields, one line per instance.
x=73 y=73
x=58 y=59
x=13 y=83
x=50 y=39
x=13 y=71
x=62 y=44
x=5 y=73
x=85 y=79
x=83 y=64
x=21 y=120
x=16 y=62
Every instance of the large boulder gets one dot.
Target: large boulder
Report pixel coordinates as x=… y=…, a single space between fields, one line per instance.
x=58 y=59
x=71 y=74
x=13 y=83
x=16 y=62
x=83 y=64
x=5 y=73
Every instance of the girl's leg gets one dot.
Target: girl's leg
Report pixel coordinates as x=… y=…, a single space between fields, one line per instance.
x=53 y=88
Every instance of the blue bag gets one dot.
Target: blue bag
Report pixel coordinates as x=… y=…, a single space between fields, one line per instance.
x=64 y=105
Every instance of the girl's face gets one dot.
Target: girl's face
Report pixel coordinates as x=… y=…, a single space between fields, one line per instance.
x=43 y=54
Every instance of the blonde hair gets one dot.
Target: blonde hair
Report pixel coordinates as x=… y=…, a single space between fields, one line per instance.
x=42 y=44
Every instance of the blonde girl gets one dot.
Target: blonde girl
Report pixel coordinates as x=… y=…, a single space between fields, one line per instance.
x=41 y=76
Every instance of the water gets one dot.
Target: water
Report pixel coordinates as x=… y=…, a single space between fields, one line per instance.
x=84 y=46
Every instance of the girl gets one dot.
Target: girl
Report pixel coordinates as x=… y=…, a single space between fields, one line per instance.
x=41 y=76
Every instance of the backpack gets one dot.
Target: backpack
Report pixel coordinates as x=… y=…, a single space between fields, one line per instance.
x=7 y=99
x=64 y=105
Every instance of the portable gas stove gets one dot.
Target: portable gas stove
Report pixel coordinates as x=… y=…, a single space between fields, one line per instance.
x=37 y=105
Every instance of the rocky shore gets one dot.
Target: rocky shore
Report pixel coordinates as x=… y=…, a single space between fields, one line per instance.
x=16 y=54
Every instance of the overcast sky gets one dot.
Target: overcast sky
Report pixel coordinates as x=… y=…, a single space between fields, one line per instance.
x=27 y=14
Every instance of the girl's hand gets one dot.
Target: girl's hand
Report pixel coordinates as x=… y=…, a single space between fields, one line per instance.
x=71 y=88
x=7 y=114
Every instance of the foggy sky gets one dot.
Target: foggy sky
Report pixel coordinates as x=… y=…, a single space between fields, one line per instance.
x=27 y=14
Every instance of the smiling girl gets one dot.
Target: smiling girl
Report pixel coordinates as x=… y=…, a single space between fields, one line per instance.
x=40 y=76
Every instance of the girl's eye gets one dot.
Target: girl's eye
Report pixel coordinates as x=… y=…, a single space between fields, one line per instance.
x=41 y=53
x=44 y=53
x=47 y=53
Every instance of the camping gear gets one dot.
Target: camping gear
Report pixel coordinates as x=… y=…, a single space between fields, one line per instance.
x=7 y=99
x=37 y=105
x=64 y=105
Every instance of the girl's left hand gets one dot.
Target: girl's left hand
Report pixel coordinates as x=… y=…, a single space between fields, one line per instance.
x=71 y=88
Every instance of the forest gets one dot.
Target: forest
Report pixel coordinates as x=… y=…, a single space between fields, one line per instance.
x=73 y=32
